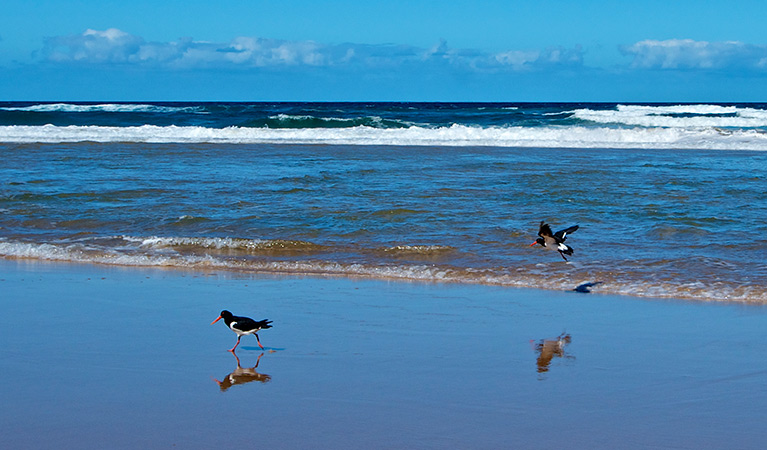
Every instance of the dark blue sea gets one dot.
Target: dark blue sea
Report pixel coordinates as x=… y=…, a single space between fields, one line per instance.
x=671 y=199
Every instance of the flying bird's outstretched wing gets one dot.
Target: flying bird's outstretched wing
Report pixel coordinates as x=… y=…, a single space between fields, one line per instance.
x=545 y=230
x=561 y=235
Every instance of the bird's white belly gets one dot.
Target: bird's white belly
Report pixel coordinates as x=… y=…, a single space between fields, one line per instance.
x=240 y=332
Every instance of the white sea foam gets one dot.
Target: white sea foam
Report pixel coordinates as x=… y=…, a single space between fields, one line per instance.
x=677 y=116
x=223 y=243
x=106 y=107
x=218 y=243
x=419 y=249
x=419 y=272
x=376 y=120
x=455 y=135
x=289 y=117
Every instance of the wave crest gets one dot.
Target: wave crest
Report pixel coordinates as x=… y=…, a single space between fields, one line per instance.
x=419 y=249
x=536 y=276
x=105 y=107
x=455 y=135
x=309 y=121
x=677 y=116
x=240 y=244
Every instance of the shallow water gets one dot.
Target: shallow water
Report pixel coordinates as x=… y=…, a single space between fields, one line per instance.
x=653 y=222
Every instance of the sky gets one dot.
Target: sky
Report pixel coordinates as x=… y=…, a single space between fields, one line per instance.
x=415 y=50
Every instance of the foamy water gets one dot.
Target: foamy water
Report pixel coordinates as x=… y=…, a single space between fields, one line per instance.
x=723 y=127
x=670 y=199
x=675 y=137
x=103 y=107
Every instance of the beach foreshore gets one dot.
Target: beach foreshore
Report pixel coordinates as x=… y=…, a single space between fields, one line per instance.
x=97 y=356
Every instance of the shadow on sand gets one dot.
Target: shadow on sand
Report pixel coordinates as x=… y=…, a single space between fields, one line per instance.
x=585 y=288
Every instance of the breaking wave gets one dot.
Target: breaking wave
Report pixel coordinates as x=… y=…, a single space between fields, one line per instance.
x=455 y=135
x=105 y=107
x=527 y=276
x=242 y=244
x=677 y=116
x=310 y=121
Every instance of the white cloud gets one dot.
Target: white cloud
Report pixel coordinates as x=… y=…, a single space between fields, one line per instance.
x=555 y=56
x=116 y=46
x=691 y=54
x=111 y=45
x=516 y=58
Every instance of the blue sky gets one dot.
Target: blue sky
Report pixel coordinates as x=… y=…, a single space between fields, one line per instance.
x=251 y=50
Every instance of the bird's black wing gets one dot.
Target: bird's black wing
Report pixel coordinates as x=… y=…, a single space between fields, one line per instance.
x=561 y=235
x=545 y=230
x=245 y=323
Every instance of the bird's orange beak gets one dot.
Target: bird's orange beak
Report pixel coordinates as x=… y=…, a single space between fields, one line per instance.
x=219 y=318
x=530 y=246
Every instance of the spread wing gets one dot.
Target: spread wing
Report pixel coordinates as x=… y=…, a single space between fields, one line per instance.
x=561 y=235
x=545 y=230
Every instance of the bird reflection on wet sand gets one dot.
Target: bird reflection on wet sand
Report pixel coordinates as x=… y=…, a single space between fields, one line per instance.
x=242 y=375
x=547 y=349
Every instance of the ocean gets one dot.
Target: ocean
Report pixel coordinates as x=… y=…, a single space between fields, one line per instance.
x=671 y=199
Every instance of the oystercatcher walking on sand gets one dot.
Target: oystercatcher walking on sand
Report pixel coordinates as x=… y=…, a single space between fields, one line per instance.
x=243 y=326
x=555 y=241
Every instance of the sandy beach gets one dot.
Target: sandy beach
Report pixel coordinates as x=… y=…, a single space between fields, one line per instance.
x=111 y=357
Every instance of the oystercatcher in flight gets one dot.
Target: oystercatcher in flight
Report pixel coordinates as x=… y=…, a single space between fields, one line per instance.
x=243 y=326
x=555 y=241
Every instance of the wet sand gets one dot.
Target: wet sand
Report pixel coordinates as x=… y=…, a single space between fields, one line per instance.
x=110 y=357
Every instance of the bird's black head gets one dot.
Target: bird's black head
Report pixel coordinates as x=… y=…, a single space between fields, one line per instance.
x=226 y=315
x=539 y=241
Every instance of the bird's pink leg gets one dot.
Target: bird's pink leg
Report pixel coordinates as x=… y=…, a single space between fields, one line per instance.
x=235 y=345
x=259 y=341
